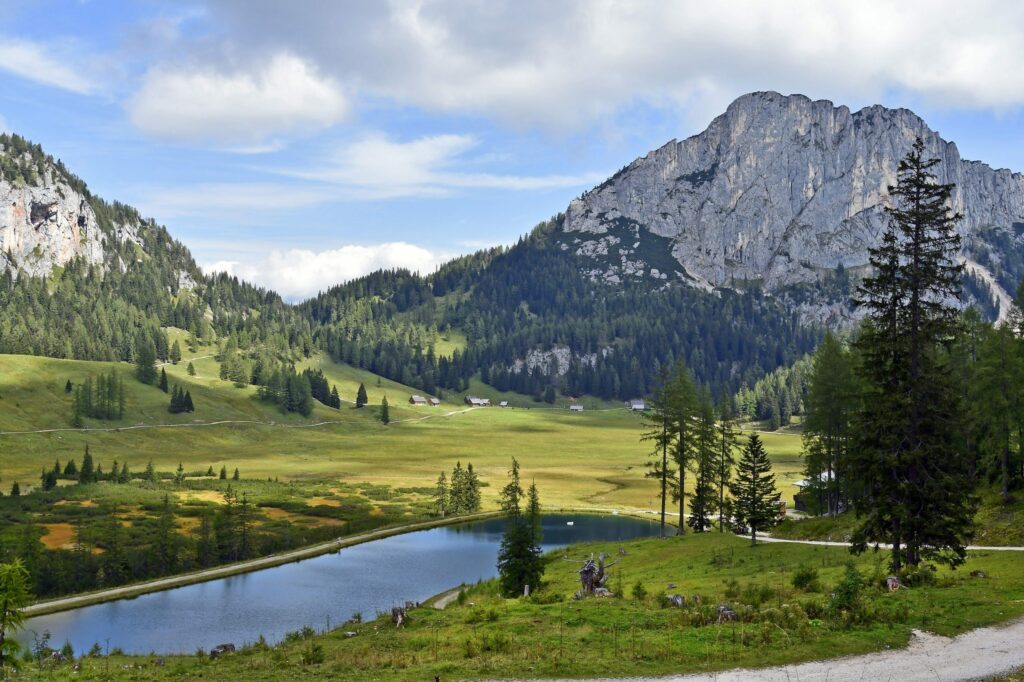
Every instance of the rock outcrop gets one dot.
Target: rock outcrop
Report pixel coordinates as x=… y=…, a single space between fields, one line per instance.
x=779 y=191
x=46 y=225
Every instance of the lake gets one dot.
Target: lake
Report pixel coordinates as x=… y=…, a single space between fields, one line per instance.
x=320 y=592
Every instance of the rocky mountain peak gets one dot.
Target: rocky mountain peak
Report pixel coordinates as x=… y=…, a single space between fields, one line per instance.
x=781 y=191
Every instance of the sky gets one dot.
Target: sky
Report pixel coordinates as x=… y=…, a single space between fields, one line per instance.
x=300 y=144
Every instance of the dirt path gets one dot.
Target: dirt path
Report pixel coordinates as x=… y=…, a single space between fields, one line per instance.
x=447 y=598
x=974 y=655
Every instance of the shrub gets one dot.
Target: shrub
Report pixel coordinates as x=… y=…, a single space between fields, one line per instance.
x=732 y=588
x=846 y=596
x=806 y=578
x=918 y=576
x=313 y=654
x=639 y=591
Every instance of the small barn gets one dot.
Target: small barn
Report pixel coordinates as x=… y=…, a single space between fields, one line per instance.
x=417 y=400
x=575 y=408
x=503 y=403
x=473 y=401
x=637 y=405
x=434 y=402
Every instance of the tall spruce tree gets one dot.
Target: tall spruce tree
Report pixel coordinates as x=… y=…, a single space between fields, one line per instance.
x=361 y=398
x=145 y=360
x=657 y=430
x=519 y=562
x=728 y=436
x=441 y=495
x=385 y=413
x=681 y=402
x=910 y=477
x=756 y=501
x=703 y=500
x=162 y=384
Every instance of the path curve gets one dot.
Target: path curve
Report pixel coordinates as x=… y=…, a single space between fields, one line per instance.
x=977 y=654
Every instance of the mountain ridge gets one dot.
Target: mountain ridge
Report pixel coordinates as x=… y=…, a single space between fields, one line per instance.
x=778 y=190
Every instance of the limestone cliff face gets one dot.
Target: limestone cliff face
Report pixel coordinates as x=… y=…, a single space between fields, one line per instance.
x=45 y=226
x=45 y=221
x=781 y=190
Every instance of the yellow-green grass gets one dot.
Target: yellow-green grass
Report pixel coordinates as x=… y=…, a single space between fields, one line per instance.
x=590 y=459
x=483 y=636
x=348 y=378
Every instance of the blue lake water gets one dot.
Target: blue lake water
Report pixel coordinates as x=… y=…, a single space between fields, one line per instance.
x=325 y=590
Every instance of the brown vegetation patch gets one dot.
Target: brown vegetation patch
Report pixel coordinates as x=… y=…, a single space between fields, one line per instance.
x=200 y=496
x=58 y=536
x=323 y=502
x=187 y=524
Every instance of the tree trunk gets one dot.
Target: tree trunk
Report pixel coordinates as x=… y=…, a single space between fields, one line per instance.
x=664 y=474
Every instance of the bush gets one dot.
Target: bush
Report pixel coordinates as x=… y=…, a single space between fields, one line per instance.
x=313 y=654
x=639 y=591
x=918 y=576
x=806 y=578
x=846 y=596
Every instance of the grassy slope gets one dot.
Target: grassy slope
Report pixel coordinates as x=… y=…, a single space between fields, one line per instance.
x=589 y=459
x=485 y=636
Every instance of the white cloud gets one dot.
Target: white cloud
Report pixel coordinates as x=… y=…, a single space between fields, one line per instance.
x=376 y=167
x=241 y=107
x=566 y=64
x=297 y=274
x=42 y=64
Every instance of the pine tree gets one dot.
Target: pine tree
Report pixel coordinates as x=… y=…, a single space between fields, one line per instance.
x=86 y=473
x=179 y=474
x=209 y=471
x=657 y=421
x=457 y=490
x=385 y=415
x=911 y=479
x=150 y=474
x=175 y=352
x=755 y=500
x=703 y=500
x=728 y=442
x=472 y=490
x=223 y=473
x=68 y=387
x=71 y=470
x=441 y=495
x=234 y=476
x=186 y=404
x=15 y=489
x=162 y=385
x=126 y=475
x=519 y=563
x=680 y=399
x=191 y=369
x=335 y=400
x=145 y=360
x=15 y=595
x=361 y=398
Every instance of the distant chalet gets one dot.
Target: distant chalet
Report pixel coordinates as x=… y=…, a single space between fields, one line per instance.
x=575 y=408
x=473 y=401
x=434 y=402
x=503 y=403
x=417 y=400
x=637 y=405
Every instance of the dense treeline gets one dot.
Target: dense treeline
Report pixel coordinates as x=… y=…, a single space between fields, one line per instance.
x=777 y=396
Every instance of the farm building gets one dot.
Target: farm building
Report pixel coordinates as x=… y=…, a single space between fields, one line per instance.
x=637 y=405
x=575 y=408
x=473 y=401
x=417 y=400
x=503 y=403
x=434 y=402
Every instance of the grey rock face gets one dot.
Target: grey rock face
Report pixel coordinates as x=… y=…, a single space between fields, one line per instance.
x=780 y=190
x=46 y=226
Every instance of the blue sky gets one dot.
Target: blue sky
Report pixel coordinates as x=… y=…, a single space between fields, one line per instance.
x=300 y=144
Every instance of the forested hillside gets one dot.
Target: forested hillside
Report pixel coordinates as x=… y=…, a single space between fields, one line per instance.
x=532 y=322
